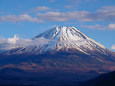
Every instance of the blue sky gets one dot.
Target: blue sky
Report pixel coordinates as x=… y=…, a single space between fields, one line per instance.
x=28 y=18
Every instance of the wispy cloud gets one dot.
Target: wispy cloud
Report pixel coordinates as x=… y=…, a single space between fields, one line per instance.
x=67 y=16
x=19 y=18
x=79 y=1
x=104 y=14
x=111 y=26
x=100 y=27
x=10 y=43
x=41 y=8
x=76 y=3
x=113 y=46
x=69 y=6
x=51 y=1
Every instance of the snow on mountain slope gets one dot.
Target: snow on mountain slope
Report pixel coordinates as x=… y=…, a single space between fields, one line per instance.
x=62 y=38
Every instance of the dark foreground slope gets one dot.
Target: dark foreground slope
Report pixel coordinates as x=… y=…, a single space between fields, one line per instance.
x=19 y=77
x=103 y=80
x=16 y=76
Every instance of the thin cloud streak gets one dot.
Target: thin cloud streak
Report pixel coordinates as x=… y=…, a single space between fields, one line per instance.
x=67 y=16
x=100 y=27
x=104 y=14
x=113 y=46
x=79 y=1
x=19 y=18
x=41 y=8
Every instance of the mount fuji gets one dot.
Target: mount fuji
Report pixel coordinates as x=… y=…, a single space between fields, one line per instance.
x=65 y=57
x=62 y=39
x=65 y=48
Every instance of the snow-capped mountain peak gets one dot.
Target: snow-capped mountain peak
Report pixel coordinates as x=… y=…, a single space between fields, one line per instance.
x=63 y=38
x=63 y=33
x=68 y=37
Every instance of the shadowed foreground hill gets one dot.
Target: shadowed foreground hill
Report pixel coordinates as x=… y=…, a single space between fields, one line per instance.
x=19 y=77
x=103 y=80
